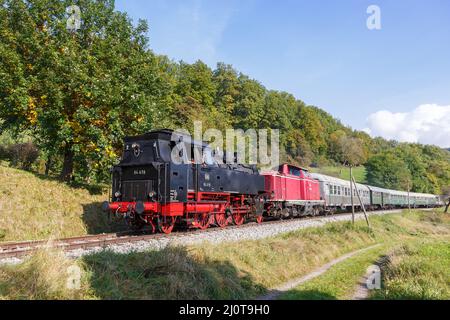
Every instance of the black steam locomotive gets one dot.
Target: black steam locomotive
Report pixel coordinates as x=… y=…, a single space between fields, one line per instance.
x=166 y=178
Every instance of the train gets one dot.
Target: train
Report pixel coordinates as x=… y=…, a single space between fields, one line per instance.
x=150 y=189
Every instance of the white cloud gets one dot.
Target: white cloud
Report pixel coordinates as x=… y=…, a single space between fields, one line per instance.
x=427 y=124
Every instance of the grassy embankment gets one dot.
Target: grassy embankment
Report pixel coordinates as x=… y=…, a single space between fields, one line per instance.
x=33 y=207
x=343 y=172
x=231 y=270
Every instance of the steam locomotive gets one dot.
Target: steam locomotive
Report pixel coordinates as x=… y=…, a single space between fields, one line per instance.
x=160 y=183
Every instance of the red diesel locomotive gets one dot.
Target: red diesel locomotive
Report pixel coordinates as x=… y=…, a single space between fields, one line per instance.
x=292 y=193
x=150 y=188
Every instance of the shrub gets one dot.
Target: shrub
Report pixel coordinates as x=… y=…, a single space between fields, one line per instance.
x=22 y=154
x=4 y=152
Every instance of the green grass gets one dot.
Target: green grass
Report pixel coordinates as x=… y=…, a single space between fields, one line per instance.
x=241 y=270
x=417 y=271
x=34 y=207
x=339 y=281
x=343 y=172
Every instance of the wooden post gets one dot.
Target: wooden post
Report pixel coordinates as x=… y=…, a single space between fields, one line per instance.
x=409 y=203
x=447 y=206
x=362 y=203
x=351 y=195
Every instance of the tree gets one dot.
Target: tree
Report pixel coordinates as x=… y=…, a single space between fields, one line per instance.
x=312 y=129
x=446 y=197
x=387 y=171
x=79 y=92
x=227 y=94
x=349 y=150
x=249 y=107
x=195 y=91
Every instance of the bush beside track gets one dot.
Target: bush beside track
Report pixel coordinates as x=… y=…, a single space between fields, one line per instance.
x=229 y=271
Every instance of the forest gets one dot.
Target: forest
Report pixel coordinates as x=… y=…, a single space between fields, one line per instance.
x=67 y=99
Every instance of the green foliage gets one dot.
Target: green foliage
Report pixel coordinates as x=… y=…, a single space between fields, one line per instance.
x=422 y=168
x=386 y=170
x=77 y=94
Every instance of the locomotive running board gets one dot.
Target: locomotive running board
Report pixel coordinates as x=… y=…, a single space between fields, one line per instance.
x=301 y=202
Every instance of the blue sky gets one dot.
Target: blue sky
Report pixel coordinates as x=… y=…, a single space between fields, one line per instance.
x=323 y=53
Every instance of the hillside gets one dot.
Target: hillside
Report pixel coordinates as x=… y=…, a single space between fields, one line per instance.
x=343 y=172
x=33 y=207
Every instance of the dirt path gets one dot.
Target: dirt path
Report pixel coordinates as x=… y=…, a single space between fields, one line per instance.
x=276 y=292
x=361 y=291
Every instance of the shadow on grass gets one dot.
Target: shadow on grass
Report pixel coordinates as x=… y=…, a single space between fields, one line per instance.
x=171 y=273
x=97 y=221
x=306 y=295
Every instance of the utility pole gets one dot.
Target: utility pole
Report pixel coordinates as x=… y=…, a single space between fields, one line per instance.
x=362 y=203
x=409 y=203
x=351 y=194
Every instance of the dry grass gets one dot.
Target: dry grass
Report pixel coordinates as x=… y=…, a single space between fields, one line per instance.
x=43 y=277
x=33 y=208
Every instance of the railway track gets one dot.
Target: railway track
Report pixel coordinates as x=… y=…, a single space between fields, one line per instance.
x=21 y=249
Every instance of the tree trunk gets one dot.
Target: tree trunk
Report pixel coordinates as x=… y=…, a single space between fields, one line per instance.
x=67 y=169
x=447 y=206
x=48 y=166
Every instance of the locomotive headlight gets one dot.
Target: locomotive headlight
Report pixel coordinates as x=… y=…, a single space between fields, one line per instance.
x=117 y=194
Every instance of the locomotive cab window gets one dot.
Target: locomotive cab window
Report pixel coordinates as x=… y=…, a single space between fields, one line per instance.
x=208 y=157
x=294 y=171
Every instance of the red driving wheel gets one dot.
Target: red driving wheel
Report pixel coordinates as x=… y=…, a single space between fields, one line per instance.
x=166 y=224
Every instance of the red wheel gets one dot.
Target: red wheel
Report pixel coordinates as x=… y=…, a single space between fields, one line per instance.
x=201 y=220
x=259 y=219
x=221 y=219
x=166 y=224
x=151 y=223
x=238 y=219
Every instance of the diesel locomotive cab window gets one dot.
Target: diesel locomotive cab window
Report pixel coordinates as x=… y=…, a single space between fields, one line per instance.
x=294 y=171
